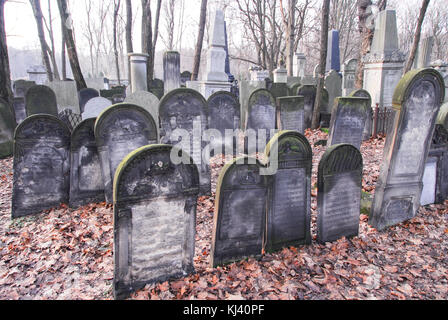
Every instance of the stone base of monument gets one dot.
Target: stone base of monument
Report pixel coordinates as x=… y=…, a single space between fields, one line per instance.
x=207 y=88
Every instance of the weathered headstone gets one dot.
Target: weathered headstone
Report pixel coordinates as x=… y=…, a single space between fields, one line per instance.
x=240 y=212
x=289 y=214
x=339 y=186
x=146 y=100
x=94 y=107
x=41 y=165
x=186 y=109
x=7 y=127
x=291 y=113
x=154 y=219
x=279 y=90
x=246 y=89
x=66 y=95
x=41 y=100
x=157 y=88
x=85 y=95
x=86 y=178
x=224 y=114
x=350 y=68
x=309 y=93
x=423 y=56
x=333 y=83
x=21 y=87
x=292 y=89
x=171 y=71
x=119 y=130
x=261 y=121
x=138 y=71
x=417 y=100
x=184 y=77
x=348 y=121
x=19 y=109
x=369 y=121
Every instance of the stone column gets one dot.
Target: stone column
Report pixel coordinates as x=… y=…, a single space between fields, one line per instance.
x=171 y=70
x=299 y=65
x=38 y=74
x=138 y=62
x=423 y=59
x=333 y=54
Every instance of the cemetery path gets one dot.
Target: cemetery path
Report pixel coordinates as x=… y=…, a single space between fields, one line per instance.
x=67 y=254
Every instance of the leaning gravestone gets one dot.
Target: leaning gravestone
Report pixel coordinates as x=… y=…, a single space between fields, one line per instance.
x=86 y=178
x=289 y=214
x=154 y=219
x=7 y=127
x=85 y=95
x=94 y=107
x=145 y=100
x=240 y=212
x=339 y=186
x=119 y=130
x=309 y=93
x=291 y=114
x=348 y=121
x=417 y=100
x=369 y=121
x=19 y=109
x=224 y=114
x=186 y=110
x=41 y=100
x=41 y=165
x=260 y=121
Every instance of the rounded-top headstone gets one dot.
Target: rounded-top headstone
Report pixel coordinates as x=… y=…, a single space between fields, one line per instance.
x=146 y=100
x=95 y=106
x=41 y=99
x=85 y=95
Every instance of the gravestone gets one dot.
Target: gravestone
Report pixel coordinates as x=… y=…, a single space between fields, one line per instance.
x=154 y=219
x=280 y=75
x=85 y=95
x=348 y=121
x=94 y=107
x=291 y=114
x=292 y=89
x=279 y=90
x=41 y=165
x=21 y=87
x=7 y=127
x=417 y=100
x=246 y=89
x=157 y=88
x=261 y=121
x=171 y=71
x=146 y=100
x=333 y=52
x=86 y=179
x=38 y=74
x=299 y=65
x=369 y=121
x=184 y=77
x=349 y=71
x=66 y=95
x=325 y=116
x=69 y=118
x=119 y=130
x=339 y=186
x=240 y=212
x=40 y=100
x=333 y=83
x=224 y=114
x=289 y=214
x=186 y=109
x=309 y=93
x=19 y=109
x=138 y=63
x=424 y=52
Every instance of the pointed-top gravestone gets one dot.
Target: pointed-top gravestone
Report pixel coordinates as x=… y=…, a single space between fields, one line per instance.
x=385 y=37
x=7 y=127
x=333 y=55
x=417 y=100
x=85 y=95
x=154 y=218
x=41 y=99
x=227 y=68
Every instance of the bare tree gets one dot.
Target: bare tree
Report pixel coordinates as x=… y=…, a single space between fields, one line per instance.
x=129 y=46
x=117 y=4
x=52 y=50
x=200 y=40
x=63 y=54
x=5 y=72
x=417 y=36
x=149 y=39
x=169 y=13
x=322 y=64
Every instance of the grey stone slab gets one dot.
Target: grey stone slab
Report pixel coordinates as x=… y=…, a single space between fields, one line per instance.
x=291 y=114
x=86 y=178
x=184 y=119
x=146 y=100
x=429 y=182
x=171 y=71
x=19 y=109
x=154 y=219
x=41 y=165
x=339 y=186
x=333 y=83
x=85 y=95
x=309 y=93
x=417 y=100
x=119 y=130
x=7 y=127
x=279 y=89
x=157 y=87
x=348 y=121
x=289 y=214
x=66 y=95
x=20 y=87
x=246 y=89
x=349 y=71
x=94 y=107
x=367 y=133
x=41 y=99
x=292 y=88
x=240 y=212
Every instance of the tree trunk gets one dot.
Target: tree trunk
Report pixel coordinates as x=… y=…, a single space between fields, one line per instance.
x=5 y=73
x=129 y=46
x=291 y=37
x=52 y=52
x=322 y=63
x=117 y=56
x=147 y=34
x=71 y=48
x=35 y=4
x=63 y=55
x=154 y=42
x=198 y=49
x=418 y=32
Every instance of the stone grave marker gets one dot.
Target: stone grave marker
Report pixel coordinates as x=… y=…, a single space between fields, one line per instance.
x=41 y=99
x=19 y=109
x=279 y=89
x=240 y=212
x=186 y=109
x=333 y=83
x=7 y=127
x=260 y=121
x=119 y=130
x=21 y=87
x=66 y=95
x=157 y=87
x=85 y=95
x=246 y=89
x=339 y=186
x=289 y=214
x=369 y=121
x=154 y=219
x=417 y=100
x=291 y=114
x=184 y=77
x=348 y=121
x=171 y=71
x=41 y=165
x=94 y=107
x=292 y=89
x=224 y=114
x=145 y=100
x=350 y=68
x=86 y=178
x=309 y=93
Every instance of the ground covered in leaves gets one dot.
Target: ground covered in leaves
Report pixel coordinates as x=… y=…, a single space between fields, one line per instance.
x=67 y=254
